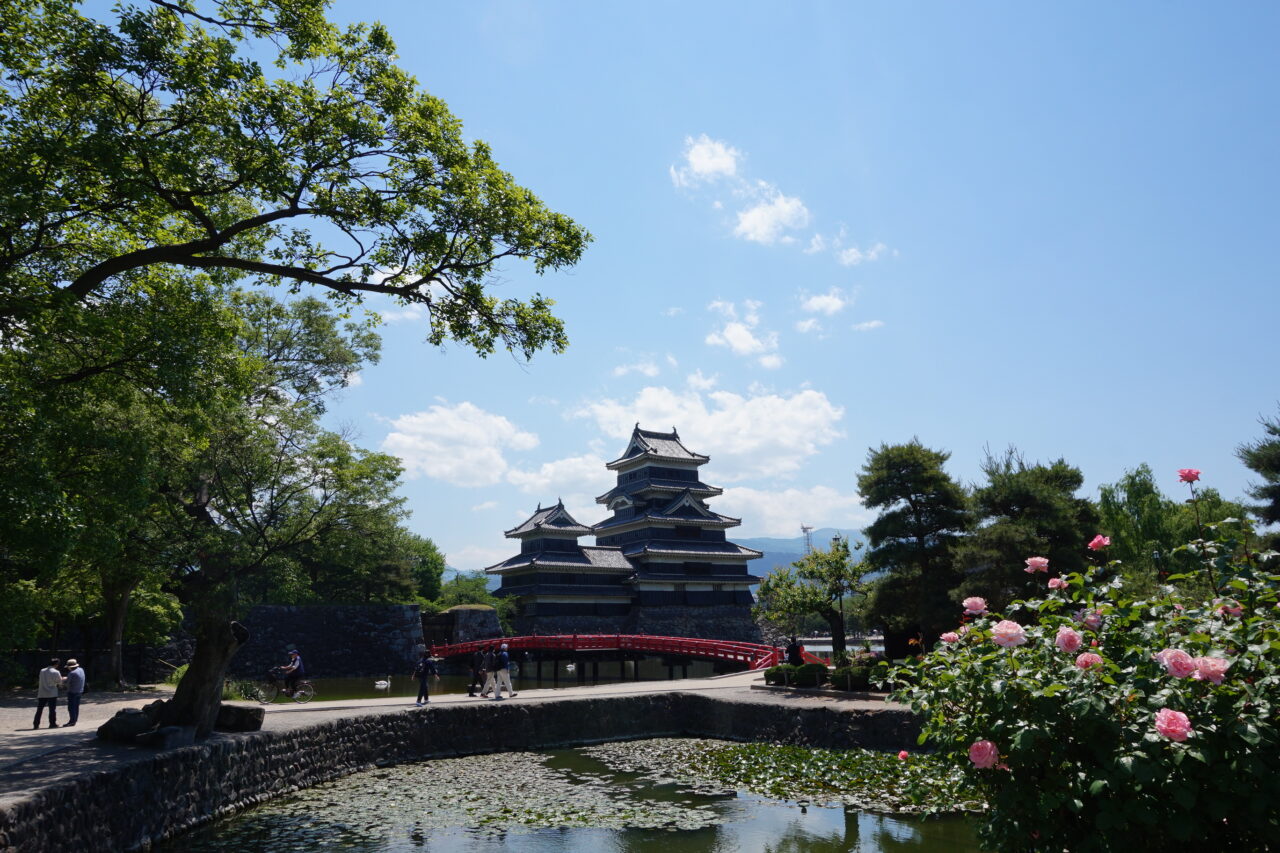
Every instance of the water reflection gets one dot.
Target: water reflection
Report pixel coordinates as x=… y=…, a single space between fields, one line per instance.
x=519 y=803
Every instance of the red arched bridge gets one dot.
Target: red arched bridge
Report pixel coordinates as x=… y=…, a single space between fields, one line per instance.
x=754 y=655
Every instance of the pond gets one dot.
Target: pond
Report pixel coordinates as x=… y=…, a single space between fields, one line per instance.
x=613 y=797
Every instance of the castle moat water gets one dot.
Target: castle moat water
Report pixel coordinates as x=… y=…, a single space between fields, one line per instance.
x=603 y=798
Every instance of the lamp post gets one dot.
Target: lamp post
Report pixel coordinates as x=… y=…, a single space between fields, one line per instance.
x=835 y=545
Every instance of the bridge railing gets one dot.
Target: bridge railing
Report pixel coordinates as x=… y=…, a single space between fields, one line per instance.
x=755 y=655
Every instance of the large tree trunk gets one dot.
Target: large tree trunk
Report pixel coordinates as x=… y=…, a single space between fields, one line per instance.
x=115 y=603
x=200 y=691
x=835 y=621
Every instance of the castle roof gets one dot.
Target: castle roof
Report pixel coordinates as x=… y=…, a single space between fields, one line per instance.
x=685 y=507
x=655 y=446
x=554 y=520
x=588 y=558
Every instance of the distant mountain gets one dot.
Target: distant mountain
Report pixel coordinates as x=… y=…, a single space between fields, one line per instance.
x=784 y=552
x=491 y=582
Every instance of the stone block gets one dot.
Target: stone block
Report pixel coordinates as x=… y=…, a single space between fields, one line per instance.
x=239 y=718
x=168 y=737
x=126 y=725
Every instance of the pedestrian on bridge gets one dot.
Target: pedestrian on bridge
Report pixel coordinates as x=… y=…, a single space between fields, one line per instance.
x=477 y=672
x=487 y=662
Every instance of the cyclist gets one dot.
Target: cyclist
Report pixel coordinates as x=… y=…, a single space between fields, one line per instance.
x=292 y=672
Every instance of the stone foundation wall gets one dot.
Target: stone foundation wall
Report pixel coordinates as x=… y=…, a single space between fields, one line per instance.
x=158 y=795
x=336 y=641
x=720 y=622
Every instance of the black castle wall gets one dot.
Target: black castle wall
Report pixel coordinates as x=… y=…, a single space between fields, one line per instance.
x=336 y=641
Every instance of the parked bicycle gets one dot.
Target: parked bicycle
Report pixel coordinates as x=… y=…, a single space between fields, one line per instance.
x=269 y=688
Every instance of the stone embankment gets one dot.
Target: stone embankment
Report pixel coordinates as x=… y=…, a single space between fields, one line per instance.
x=128 y=798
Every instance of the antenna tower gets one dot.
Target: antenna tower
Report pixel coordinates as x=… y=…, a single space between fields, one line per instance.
x=807 y=530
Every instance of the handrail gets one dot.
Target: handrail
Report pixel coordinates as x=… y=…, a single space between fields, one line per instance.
x=755 y=655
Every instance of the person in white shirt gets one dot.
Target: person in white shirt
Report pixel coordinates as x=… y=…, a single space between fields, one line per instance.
x=47 y=694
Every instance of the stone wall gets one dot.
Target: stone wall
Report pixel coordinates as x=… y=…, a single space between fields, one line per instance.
x=154 y=796
x=336 y=641
x=720 y=622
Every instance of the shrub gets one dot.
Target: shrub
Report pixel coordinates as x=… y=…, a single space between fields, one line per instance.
x=852 y=678
x=1106 y=723
x=805 y=675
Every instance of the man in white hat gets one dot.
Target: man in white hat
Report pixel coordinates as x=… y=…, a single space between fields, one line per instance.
x=75 y=689
x=502 y=671
x=47 y=694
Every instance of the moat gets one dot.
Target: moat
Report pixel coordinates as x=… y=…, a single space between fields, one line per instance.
x=607 y=797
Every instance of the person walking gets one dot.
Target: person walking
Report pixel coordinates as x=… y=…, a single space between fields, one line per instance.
x=75 y=690
x=424 y=671
x=487 y=663
x=47 y=694
x=477 y=672
x=502 y=665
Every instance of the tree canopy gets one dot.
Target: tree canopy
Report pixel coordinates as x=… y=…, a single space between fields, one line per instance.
x=157 y=138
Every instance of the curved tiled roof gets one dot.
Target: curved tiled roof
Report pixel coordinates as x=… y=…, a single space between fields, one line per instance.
x=553 y=519
x=660 y=445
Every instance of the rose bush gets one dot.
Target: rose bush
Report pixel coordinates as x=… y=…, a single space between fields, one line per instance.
x=1160 y=735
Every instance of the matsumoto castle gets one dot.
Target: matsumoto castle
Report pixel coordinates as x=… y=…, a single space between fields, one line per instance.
x=661 y=563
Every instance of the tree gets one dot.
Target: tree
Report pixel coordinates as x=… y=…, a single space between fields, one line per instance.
x=1024 y=510
x=923 y=512
x=1147 y=528
x=157 y=139
x=1263 y=458
x=817 y=584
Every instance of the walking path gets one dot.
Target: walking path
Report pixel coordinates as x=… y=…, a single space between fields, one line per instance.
x=74 y=751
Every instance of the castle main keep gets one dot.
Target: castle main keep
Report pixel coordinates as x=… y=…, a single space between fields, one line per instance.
x=661 y=563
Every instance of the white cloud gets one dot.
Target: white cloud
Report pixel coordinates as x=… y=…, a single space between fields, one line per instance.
x=645 y=367
x=705 y=159
x=868 y=326
x=407 y=314
x=781 y=512
x=765 y=221
x=487 y=505
x=765 y=434
x=740 y=335
x=672 y=361
x=461 y=444
x=853 y=256
x=572 y=475
x=673 y=311
x=809 y=325
x=817 y=243
x=475 y=557
x=699 y=382
x=354 y=380
x=831 y=302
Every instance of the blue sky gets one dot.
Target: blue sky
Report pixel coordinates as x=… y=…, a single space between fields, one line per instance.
x=823 y=226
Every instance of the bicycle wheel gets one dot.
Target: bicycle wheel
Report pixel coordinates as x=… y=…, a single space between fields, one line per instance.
x=267 y=692
x=304 y=692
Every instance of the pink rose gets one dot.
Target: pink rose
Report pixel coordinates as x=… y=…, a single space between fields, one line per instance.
x=1229 y=608
x=964 y=629
x=1037 y=564
x=984 y=754
x=1210 y=669
x=1172 y=724
x=1088 y=659
x=1008 y=634
x=1068 y=639
x=1188 y=475
x=1099 y=542
x=902 y=755
x=949 y=637
x=975 y=606
x=1091 y=619
x=1057 y=583
x=1176 y=662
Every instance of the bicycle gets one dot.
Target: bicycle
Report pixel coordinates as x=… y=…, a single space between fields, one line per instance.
x=266 y=691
